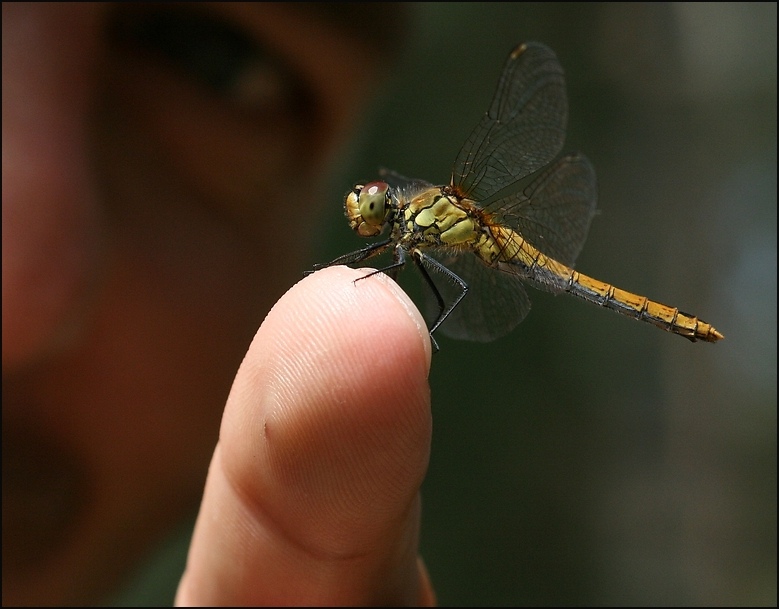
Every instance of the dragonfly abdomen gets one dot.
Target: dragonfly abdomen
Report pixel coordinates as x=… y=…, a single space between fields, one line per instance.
x=506 y=249
x=632 y=305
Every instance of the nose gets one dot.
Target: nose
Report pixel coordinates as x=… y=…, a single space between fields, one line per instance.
x=50 y=212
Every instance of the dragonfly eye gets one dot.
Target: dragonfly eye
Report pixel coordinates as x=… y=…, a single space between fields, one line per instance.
x=374 y=203
x=367 y=208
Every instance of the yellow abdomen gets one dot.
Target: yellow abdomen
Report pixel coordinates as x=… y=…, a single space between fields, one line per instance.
x=506 y=250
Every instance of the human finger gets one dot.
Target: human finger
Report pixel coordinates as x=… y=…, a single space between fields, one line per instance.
x=313 y=492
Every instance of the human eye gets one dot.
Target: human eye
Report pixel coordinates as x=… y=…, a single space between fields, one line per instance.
x=196 y=95
x=209 y=51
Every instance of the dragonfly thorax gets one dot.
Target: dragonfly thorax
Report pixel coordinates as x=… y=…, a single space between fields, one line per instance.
x=440 y=219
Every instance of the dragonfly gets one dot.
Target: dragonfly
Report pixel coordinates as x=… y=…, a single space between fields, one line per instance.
x=514 y=213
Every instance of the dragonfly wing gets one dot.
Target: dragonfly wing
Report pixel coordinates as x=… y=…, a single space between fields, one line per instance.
x=401 y=184
x=523 y=130
x=495 y=303
x=554 y=212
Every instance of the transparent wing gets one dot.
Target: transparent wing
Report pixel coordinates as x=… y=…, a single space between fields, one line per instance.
x=554 y=212
x=523 y=130
x=402 y=185
x=495 y=303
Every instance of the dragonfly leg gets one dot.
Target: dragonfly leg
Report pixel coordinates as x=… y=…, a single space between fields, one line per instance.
x=374 y=249
x=398 y=262
x=422 y=260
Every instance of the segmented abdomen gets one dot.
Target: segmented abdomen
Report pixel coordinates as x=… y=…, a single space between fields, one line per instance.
x=506 y=248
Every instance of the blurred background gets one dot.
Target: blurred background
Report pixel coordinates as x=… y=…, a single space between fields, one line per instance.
x=587 y=458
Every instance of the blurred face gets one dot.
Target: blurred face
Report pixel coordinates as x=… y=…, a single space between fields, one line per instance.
x=159 y=190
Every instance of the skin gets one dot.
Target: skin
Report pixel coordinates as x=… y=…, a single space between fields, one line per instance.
x=146 y=234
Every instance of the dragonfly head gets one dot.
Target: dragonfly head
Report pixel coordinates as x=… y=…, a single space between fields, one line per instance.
x=367 y=207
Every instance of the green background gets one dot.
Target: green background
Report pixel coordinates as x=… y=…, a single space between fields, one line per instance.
x=587 y=458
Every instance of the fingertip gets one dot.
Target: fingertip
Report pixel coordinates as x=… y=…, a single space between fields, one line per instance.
x=346 y=360
x=328 y=426
x=313 y=492
x=406 y=304
x=348 y=304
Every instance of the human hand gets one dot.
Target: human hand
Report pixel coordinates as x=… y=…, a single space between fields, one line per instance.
x=312 y=495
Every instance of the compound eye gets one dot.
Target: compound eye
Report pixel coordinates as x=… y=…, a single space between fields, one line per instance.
x=374 y=203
